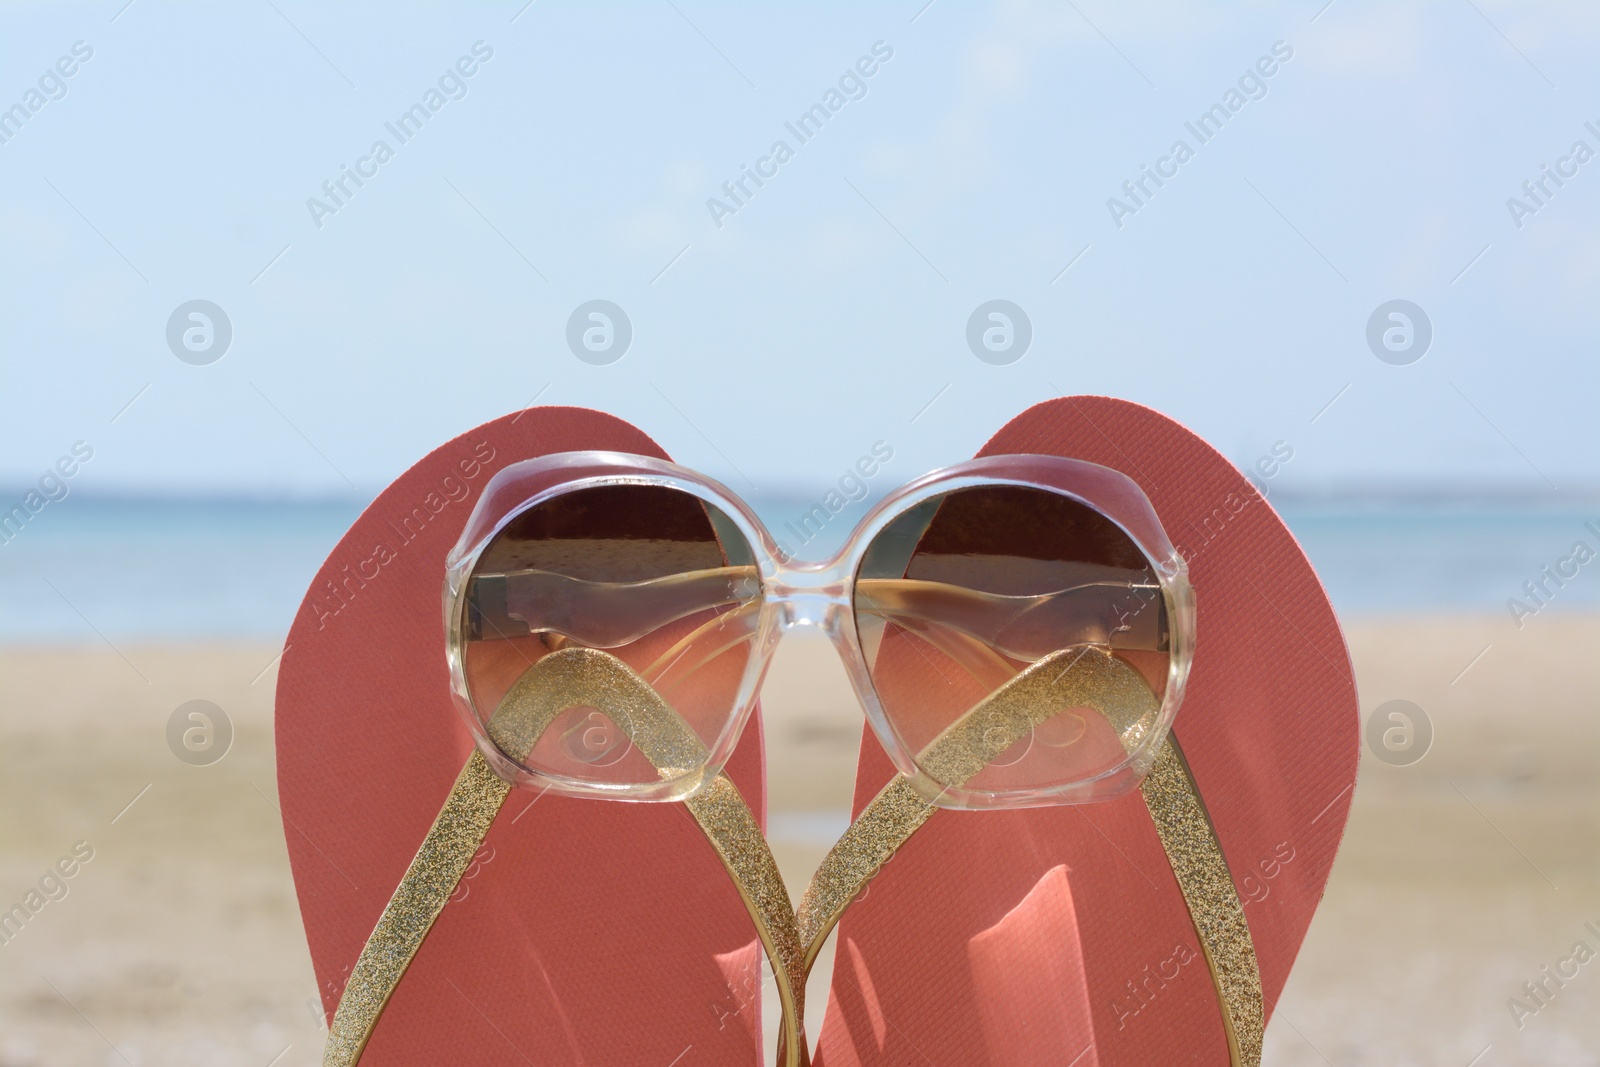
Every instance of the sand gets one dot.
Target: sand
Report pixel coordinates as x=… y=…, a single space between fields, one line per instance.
x=179 y=942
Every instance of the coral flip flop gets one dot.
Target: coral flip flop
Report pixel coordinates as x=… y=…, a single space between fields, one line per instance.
x=1021 y=630
x=1146 y=929
x=578 y=931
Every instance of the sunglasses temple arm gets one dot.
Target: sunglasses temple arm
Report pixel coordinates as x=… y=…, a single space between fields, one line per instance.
x=1125 y=615
x=599 y=614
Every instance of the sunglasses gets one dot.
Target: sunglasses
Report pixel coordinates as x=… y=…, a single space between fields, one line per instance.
x=1008 y=573
x=1018 y=630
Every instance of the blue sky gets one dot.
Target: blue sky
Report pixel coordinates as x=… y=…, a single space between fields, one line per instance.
x=830 y=310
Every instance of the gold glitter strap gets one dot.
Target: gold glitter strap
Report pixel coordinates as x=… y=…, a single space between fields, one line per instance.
x=1201 y=869
x=570 y=677
x=1066 y=679
x=416 y=903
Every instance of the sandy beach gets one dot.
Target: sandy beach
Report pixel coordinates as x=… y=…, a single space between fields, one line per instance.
x=178 y=941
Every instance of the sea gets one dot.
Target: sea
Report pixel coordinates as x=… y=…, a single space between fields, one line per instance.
x=114 y=570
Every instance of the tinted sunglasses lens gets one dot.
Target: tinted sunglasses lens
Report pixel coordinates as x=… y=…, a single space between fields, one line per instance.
x=960 y=594
x=651 y=575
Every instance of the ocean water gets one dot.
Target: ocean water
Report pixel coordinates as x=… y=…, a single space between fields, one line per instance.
x=87 y=569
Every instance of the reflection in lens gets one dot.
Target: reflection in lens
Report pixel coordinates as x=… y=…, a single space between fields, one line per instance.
x=651 y=575
x=958 y=595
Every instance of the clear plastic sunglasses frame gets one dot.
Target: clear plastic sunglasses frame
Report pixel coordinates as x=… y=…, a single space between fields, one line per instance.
x=822 y=594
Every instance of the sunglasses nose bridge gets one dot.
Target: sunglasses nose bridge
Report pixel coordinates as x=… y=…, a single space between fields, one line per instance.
x=809 y=599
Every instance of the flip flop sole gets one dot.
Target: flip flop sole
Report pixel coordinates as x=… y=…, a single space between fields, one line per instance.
x=1027 y=937
x=586 y=932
